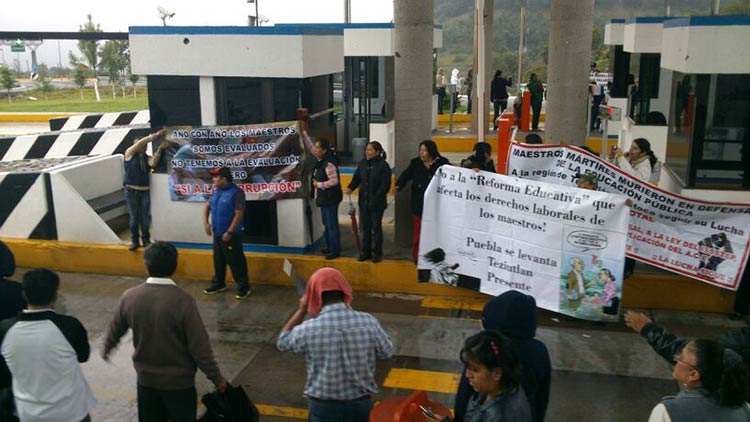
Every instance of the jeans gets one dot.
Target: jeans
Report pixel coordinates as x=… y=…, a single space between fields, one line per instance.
x=344 y=411
x=139 y=207
x=230 y=253
x=330 y=217
x=441 y=99
x=166 y=405
x=372 y=231
x=500 y=106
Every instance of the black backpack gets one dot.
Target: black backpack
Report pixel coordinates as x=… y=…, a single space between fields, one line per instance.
x=233 y=405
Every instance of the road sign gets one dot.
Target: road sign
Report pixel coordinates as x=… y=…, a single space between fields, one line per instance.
x=18 y=46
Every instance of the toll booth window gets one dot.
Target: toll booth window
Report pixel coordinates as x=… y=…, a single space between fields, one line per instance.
x=238 y=101
x=710 y=131
x=645 y=72
x=174 y=101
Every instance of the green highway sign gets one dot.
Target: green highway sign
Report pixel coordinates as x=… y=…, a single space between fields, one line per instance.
x=18 y=46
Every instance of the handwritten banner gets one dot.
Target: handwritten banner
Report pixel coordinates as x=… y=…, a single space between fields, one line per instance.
x=704 y=240
x=564 y=246
x=265 y=160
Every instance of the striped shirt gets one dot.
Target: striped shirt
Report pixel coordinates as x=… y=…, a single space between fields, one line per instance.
x=340 y=347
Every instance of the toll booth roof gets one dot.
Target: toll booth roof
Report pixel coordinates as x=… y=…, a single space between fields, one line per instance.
x=237 y=51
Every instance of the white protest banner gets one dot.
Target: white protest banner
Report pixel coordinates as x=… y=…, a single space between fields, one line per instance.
x=493 y=233
x=704 y=240
x=265 y=160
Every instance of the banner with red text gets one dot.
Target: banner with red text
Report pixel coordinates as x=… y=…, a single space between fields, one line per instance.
x=562 y=245
x=265 y=160
x=704 y=240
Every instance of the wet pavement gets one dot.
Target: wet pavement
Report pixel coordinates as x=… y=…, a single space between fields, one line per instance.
x=601 y=372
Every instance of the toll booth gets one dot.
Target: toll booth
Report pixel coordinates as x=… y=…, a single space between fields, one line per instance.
x=206 y=76
x=364 y=93
x=702 y=92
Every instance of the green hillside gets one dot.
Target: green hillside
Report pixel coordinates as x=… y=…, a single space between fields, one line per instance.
x=456 y=16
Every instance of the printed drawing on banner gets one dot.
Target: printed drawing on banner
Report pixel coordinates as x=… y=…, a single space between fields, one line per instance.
x=590 y=279
x=713 y=251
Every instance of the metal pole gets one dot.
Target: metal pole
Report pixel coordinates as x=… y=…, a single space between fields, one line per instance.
x=605 y=136
x=347 y=11
x=257 y=16
x=715 y=6
x=521 y=46
x=667 y=8
x=480 y=74
x=450 y=122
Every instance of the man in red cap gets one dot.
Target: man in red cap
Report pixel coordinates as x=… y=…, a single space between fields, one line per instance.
x=227 y=210
x=340 y=347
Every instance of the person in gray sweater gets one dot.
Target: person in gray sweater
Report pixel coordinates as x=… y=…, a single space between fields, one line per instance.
x=169 y=338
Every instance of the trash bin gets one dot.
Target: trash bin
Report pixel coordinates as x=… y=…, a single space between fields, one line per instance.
x=358 y=149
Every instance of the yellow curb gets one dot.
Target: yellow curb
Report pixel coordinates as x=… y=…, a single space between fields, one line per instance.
x=415 y=379
x=32 y=117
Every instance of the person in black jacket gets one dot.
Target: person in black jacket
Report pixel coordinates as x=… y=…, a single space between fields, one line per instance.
x=373 y=178
x=420 y=171
x=514 y=315
x=11 y=297
x=328 y=194
x=481 y=159
x=499 y=93
x=667 y=345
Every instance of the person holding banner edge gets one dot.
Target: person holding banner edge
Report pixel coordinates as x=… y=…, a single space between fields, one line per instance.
x=328 y=193
x=373 y=178
x=420 y=172
x=227 y=210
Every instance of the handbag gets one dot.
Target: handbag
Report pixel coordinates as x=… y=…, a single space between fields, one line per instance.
x=232 y=405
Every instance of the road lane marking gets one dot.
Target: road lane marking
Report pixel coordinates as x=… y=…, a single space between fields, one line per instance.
x=415 y=379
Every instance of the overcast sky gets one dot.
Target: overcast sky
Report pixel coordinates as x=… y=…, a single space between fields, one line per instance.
x=68 y=15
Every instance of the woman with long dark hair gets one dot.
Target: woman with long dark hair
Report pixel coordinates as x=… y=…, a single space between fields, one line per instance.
x=420 y=172
x=373 y=178
x=328 y=194
x=481 y=159
x=714 y=386
x=639 y=161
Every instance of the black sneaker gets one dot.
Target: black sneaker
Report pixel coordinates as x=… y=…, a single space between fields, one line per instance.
x=364 y=257
x=242 y=293
x=215 y=288
x=133 y=246
x=324 y=251
x=332 y=256
x=377 y=258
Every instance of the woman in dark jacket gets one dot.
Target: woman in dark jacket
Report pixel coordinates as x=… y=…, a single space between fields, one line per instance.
x=328 y=194
x=420 y=172
x=373 y=178
x=714 y=386
x=481 y=159
x=514 y=315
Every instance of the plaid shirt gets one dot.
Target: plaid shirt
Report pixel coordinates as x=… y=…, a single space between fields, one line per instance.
x=340 y=347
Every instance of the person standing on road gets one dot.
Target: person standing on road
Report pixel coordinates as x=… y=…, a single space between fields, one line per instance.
x=227 y=211
x=456 y=82
x=420 y=172
x=499 y=94
x=340 y=346
x=328 y=194
x=373 y=178
x=440 y=83
x=537 y=97
x=43 y=351
x=169 y=339
x=138 y=167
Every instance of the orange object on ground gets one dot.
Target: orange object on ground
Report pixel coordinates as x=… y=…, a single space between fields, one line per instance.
x=525 y=112
x=504 y=132
x=406 y=409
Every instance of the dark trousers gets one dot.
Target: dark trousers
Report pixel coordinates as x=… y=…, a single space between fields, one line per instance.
x=339 y=411
x=371 y=225
x=536 y=107
x=441 y=99
x=500 y=106
x=742 y=296
x=596 y=101
x=455 y=102
x=166 y=405
x=229 y=253
x=139 y=208
x=468 y=102
x=332 y=234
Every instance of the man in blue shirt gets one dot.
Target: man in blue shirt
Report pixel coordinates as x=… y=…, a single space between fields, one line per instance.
x=227 y=210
